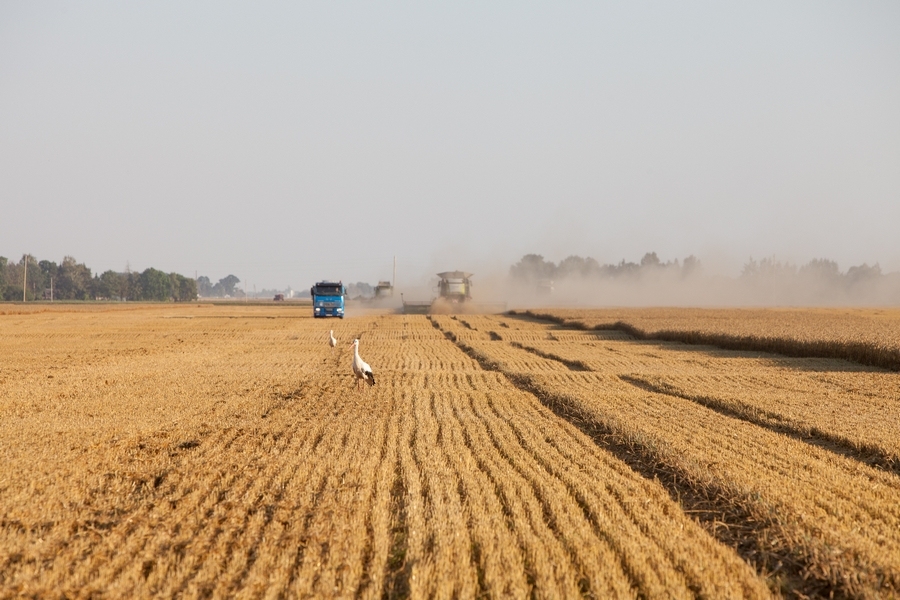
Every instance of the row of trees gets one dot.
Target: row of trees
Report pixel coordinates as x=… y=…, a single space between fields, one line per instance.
x=71 y=280
x=819 y=269
x=224 y=288
x=533 y=268
x=761 y=282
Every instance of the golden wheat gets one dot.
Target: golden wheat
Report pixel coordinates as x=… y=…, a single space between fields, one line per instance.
x=869 y=336
x=836 y=515
x=224 y=451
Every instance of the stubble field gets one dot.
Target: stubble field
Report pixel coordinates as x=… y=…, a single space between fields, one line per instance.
x=224 y=451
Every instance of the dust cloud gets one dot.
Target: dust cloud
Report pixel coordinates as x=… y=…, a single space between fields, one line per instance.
x=583 y=282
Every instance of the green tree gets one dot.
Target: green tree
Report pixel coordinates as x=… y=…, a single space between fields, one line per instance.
x=650 y=260
x=575 y=265
x=73 y=280
x=204 y=286
x=131 y=286
x=28 y=275
x=12 y=278
x=863 y=273
x=690 y=266
x=228 y=284
x=48 y=275
x=533 y=267
x=821 y=268
x=109 y=286
x=184 y=289
x=155 y=285
x=768 y=268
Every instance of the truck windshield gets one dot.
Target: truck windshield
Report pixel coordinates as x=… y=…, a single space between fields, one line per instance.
x=328 y=290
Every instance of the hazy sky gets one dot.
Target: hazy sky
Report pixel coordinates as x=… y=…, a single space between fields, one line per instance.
x=290 y=142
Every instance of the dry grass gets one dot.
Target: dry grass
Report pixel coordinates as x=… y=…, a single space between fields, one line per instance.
x=867 y=336
x=731 y=425
x=852 y=408
x=224 y=451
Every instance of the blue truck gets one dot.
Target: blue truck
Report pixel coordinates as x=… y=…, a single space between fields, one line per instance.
x=328 y=299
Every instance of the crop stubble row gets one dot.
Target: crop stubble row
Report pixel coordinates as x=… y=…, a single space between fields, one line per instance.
x=869 y=336
x=842 y=403
x=236 y=458
x=834 y=516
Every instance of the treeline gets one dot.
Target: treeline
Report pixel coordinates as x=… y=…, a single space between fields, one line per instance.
x=533 y=267
x=785 y=283
x=817 y=269
x=224 y=288
x=761 y=282
x=71 y=280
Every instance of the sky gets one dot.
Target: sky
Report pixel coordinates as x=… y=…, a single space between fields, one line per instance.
x=287 y=142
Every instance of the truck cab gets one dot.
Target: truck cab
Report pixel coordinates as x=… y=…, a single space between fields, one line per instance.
x=328 y=299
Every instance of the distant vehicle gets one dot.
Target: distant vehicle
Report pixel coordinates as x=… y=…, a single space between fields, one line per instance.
x=384 y=289
x=328 y=299
x=416 y=307
x=279 y=297
x=455 y=286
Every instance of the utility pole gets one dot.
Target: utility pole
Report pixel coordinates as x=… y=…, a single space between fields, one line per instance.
x=51 y=288
x=25 y=278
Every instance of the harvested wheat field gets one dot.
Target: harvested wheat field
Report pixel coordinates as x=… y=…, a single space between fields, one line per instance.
x=869 y=336
x=224 y=451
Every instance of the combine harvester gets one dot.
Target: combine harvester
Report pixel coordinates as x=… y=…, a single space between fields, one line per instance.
x=454 y=296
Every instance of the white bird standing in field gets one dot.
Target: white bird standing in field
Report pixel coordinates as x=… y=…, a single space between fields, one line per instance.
x=362 y=370
x=331 y=340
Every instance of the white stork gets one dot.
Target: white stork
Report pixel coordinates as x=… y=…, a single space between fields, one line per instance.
x=331 y=340
x=362 y=370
